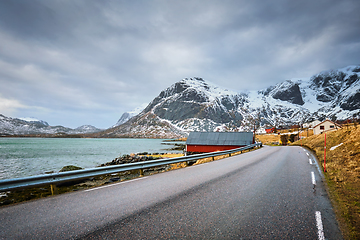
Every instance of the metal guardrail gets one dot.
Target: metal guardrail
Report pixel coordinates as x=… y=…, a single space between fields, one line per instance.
x=61 y=177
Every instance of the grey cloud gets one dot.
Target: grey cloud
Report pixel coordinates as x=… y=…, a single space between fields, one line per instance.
x=112 y=56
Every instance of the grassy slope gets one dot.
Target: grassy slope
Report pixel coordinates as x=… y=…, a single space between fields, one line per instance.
x=268 y=139
x=342 y=174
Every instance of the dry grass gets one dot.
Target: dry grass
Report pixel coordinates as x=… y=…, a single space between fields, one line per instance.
x=210 y=159
x=268 y=139
x=172 y=155
x=307 y=133
x=342 y=174
x=176 y=166
x=182 y=139
x=168 y=155
x=273 y=138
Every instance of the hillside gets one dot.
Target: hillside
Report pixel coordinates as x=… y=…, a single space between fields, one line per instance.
x=342 y=173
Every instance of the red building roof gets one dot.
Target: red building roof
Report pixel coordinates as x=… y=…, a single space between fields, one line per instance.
x=217 y=141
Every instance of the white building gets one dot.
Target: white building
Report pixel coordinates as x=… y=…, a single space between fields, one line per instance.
x=260 y=130
x=325 y=126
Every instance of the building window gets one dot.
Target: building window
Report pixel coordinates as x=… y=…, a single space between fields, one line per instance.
x=332 y=126
x=322 y=128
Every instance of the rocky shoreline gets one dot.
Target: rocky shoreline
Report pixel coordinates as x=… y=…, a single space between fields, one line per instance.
x=16 y=196
x=132 y=158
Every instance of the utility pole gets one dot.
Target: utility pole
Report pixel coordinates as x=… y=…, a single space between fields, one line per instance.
x=299 y=132
x=254 y=131
x=325 y=154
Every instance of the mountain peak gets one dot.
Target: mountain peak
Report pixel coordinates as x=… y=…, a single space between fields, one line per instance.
x=212 y=90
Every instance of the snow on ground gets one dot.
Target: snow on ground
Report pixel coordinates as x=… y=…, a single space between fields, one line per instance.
x=334 y=147
x=29 y=119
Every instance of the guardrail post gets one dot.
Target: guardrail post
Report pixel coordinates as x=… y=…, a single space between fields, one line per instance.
x=213 y=158
x=229 y=154
x=53 y=189
x=141 y=172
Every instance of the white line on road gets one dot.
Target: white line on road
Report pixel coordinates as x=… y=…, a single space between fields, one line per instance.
x=313 y=178
x=114 y=184
x=307 y=154
x=319 y=225
x=310 y=161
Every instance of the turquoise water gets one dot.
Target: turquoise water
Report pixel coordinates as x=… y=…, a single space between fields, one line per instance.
x=21 y=157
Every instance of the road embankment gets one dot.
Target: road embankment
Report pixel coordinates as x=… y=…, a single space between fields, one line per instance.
x=342 y=163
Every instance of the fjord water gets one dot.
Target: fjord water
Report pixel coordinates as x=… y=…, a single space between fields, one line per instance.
x=21 y=157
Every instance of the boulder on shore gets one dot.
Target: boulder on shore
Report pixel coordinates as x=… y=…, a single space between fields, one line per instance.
x=70 y=168
x=129 y=159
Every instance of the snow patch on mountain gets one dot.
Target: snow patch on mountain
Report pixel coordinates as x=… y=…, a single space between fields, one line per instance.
x=33 y=120
x=208 y=89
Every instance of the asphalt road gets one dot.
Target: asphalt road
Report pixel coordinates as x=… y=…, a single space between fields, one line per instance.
x=270 y=193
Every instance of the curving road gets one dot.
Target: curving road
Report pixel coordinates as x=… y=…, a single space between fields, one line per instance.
x=270 y=193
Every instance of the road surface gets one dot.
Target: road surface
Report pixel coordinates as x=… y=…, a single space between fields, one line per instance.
x=270 y=193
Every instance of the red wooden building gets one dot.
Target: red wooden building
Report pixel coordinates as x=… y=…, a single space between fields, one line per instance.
x=202 y=142
x=270 y=130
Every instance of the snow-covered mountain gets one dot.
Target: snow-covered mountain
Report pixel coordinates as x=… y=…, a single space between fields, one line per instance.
x=194 y=104
x=31 y=126
x=84 y=129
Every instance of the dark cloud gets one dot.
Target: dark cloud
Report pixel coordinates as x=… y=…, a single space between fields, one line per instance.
x=85 y=62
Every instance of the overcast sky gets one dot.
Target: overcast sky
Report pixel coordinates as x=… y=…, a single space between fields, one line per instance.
x=74 y=62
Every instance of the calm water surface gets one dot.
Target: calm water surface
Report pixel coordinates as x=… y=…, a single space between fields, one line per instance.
x=21 y=157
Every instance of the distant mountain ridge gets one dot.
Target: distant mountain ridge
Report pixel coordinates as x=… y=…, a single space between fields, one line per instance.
x=194 y=104
x=29 y=126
